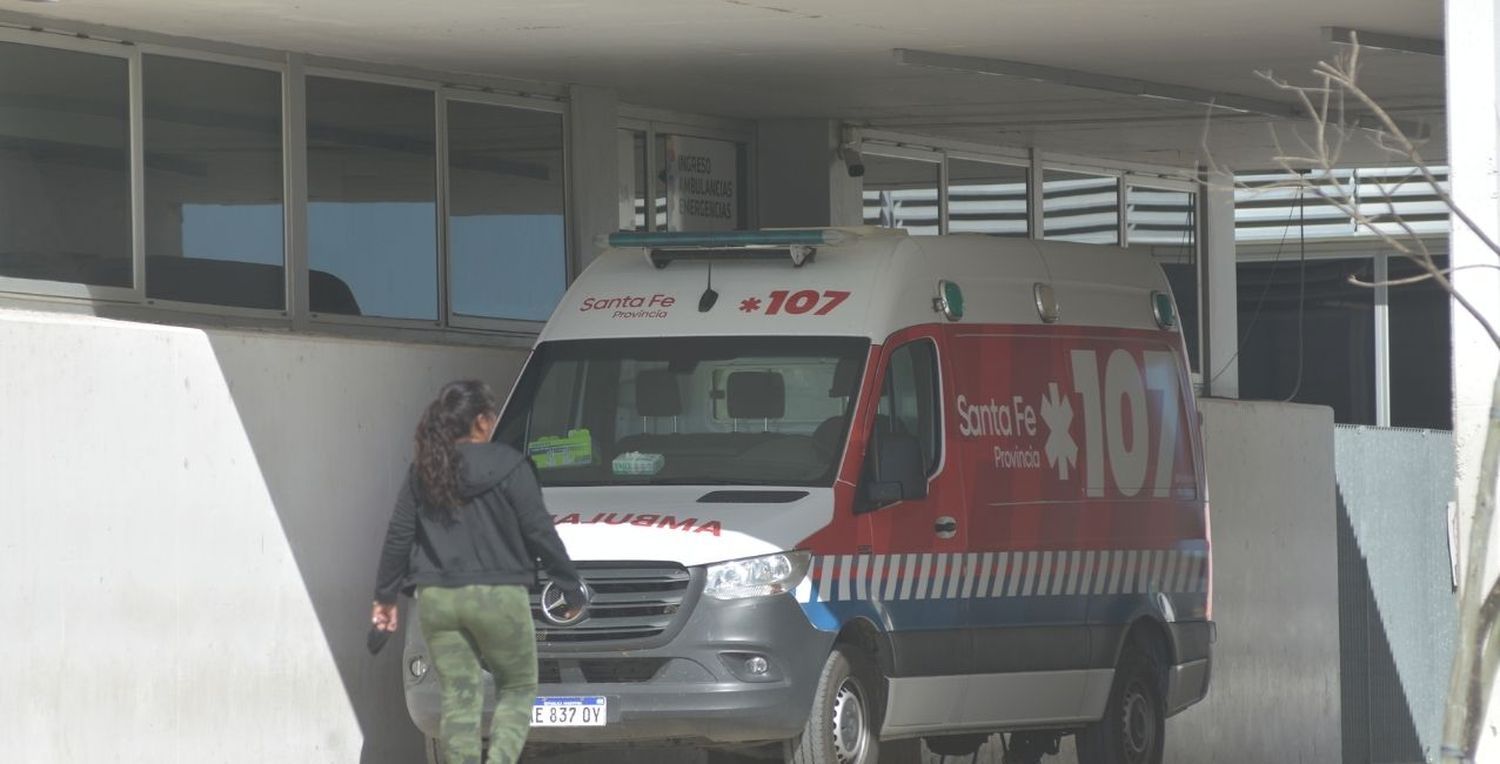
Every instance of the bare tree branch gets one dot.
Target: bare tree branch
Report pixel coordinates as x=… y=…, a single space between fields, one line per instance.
x=1409 y=280
x=1309 y=166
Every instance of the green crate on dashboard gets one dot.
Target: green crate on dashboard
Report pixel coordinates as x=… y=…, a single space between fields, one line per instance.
x=572 y=450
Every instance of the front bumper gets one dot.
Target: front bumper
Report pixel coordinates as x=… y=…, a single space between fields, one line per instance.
x=691 y=688
x=1187 y=681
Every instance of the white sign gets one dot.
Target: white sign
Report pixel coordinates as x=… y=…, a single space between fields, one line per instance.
x=702 y=185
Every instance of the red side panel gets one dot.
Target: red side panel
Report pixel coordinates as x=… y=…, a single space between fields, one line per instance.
x=1075 y=439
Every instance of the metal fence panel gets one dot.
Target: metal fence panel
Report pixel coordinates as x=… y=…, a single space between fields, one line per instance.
x=1397 y=605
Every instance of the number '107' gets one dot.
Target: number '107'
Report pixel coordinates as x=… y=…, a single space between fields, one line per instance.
x=798 y=303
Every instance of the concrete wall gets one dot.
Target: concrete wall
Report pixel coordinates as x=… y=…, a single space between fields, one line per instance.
x=800 y=178
x=1275 y=687
x=192 y=520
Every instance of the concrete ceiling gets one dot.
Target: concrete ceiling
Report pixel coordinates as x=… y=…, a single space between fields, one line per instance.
x=832 y=58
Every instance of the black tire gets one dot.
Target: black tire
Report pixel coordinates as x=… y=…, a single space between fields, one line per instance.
x=843 y=725
x=1133 y=730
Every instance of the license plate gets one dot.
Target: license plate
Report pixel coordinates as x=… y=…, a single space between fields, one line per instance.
x=586 y=711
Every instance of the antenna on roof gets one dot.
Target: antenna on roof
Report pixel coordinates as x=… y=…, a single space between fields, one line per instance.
x=706 y=302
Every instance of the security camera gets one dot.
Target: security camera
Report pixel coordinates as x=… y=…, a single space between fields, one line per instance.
x=853 y=160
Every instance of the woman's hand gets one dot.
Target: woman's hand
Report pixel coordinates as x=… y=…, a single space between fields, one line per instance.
x=384 y=616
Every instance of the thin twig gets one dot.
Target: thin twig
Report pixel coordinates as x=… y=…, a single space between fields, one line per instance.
x=1409 y=280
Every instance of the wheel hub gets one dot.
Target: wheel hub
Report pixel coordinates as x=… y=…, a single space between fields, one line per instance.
x=851 y=732
x=1138 y=733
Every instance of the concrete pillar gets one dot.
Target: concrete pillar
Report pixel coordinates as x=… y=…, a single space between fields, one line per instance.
x=593 y=170
x=1472 y=36
x=1219 y=304
x=802 y=180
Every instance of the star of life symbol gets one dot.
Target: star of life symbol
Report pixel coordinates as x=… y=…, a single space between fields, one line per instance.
x=750 y=305
x=1057 y=414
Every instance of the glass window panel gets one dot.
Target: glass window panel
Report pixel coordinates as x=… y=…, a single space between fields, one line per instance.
x=909 y=400
x=64 y=166
x=1334 y=333
x=715 y=410
x=633 y=180
x=1079 y=207
x=214 y=211
x=987 y=198
x=901 y=193
x=659 y=184
x=1421 y=374
x=705 y=164
x=506 y=251
x=372 y=199
x=1165 y=224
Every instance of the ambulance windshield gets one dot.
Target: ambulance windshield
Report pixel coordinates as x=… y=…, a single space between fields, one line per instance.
x=687 y=410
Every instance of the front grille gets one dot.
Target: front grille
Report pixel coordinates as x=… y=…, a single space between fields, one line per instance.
x=604 y=671
x=631 y=602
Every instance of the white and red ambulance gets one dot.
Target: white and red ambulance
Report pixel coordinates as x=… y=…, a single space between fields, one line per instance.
x=840 y=490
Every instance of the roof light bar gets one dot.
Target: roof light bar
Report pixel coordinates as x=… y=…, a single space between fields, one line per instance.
x=800 y=255
x=723 y=239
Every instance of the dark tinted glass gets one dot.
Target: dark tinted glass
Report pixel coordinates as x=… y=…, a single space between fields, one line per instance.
x=372 y=198
x=1312 y=343
x=214 y=229
x=1421 y=362
x=64 y=166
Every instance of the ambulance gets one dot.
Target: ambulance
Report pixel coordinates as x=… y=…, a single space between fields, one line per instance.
x=841 y=491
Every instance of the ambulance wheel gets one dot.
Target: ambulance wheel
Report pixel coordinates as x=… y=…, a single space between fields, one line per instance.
x=1133 y=730
x=842 y=728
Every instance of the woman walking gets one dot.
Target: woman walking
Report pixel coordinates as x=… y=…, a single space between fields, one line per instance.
x=468 y=526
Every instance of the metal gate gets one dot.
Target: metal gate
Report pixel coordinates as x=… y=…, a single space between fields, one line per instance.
x=1397 y=604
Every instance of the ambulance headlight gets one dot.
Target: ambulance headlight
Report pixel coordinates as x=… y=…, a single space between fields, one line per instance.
x=757 y=576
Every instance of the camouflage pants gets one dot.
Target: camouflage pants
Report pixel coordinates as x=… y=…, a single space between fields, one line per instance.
x=461 y=624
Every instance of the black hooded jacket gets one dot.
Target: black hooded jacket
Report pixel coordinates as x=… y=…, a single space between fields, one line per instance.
x=495 y=537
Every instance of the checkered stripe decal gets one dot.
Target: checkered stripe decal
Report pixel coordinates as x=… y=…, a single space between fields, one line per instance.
x=836 y=578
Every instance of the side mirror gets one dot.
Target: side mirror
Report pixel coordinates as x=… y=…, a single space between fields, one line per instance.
x=899 y=470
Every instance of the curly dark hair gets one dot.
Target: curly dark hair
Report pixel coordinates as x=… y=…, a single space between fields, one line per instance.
x=447 y=419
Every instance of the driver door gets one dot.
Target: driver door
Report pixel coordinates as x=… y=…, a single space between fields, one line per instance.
x=919 y=568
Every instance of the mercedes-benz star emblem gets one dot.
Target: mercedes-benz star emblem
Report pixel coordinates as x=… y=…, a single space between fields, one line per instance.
x=554 y=606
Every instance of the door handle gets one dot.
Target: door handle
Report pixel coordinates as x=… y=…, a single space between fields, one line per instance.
x=945 y=527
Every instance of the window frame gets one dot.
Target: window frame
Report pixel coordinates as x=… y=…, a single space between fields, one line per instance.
x=132 y=303
x=939 y=411
x=439 y=256
x=288 y=275
x=653 y=122
x=974 y=158
x=1122 y=224
x=136 y=292
x=917 y=154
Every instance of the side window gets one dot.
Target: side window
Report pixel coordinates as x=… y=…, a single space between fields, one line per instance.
x=909 y=400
